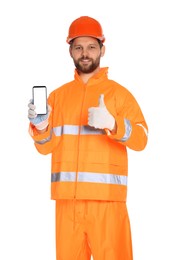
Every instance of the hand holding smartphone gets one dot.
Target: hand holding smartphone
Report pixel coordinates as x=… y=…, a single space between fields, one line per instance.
x=39 y=94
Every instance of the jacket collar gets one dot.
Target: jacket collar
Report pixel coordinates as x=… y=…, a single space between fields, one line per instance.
x=99 y=76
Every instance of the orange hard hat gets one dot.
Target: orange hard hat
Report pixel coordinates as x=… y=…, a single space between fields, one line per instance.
x=85 y=26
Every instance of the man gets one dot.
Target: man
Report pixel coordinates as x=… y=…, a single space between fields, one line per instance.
x=89 y=125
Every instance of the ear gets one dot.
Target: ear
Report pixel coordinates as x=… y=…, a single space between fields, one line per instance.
x=70 y=51
x=102 y=51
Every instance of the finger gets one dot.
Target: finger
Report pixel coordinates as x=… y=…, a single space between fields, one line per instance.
x=31 y=106
x=101 y=102
x=31 y=113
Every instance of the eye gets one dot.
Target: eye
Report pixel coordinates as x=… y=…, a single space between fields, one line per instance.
x=92 y=47
x=78 y=48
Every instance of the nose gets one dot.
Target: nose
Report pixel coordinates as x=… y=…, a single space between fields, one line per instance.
x=85 y=52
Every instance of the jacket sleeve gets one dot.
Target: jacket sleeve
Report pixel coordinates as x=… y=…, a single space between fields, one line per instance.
x=46 y=142
x=132 y=129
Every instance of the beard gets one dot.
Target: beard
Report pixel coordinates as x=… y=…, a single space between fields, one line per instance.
x=87 y=67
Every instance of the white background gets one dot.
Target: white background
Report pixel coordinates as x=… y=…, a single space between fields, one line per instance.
x=140 y=53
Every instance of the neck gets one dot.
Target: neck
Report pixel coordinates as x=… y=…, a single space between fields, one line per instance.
x=86 y=76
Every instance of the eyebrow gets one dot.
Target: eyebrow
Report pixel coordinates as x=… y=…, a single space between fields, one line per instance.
x=90 y=44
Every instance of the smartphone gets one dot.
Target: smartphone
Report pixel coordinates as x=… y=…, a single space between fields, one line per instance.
x=39 y=94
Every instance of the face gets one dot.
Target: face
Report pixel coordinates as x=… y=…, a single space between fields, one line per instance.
x=86 y=54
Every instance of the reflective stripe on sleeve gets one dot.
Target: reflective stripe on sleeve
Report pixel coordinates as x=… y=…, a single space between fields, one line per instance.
x=145 y=130
x=128 y=130
x=104 y=178
x=45 y=140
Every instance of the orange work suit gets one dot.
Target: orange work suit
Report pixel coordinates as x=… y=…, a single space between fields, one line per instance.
x=90 y=164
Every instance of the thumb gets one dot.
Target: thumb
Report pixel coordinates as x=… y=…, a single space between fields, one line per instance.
x=101 y=102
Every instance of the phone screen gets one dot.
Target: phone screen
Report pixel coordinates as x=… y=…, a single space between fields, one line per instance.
x=40 y=99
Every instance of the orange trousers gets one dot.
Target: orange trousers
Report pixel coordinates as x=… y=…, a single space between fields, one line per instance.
x=100 y=229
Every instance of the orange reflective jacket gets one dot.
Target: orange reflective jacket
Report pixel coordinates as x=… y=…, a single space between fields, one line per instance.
x=90 y=163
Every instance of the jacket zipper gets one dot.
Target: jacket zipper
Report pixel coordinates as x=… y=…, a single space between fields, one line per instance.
x=79 y=136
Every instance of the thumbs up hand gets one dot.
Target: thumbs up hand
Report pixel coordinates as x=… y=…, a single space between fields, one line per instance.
x=99 y=117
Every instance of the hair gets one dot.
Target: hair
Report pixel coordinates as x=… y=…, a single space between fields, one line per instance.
x=100 y=43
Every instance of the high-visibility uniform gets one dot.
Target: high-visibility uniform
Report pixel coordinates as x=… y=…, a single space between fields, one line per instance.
x=98 y=227
x=87 y=163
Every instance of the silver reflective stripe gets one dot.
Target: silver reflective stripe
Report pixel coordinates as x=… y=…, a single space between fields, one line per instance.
x=128 y=130
x=105 y=178
x=72 y=130
x=57 y=130
x=87 y=130
x=66 y=129
x=45 y=140
x=145 y=130
x=75 y=130
x=63 y=176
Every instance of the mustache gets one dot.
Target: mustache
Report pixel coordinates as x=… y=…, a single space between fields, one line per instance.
x=84 y=57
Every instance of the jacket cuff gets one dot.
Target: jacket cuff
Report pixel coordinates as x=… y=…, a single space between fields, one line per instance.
x=120 y=129
x=36 y=136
